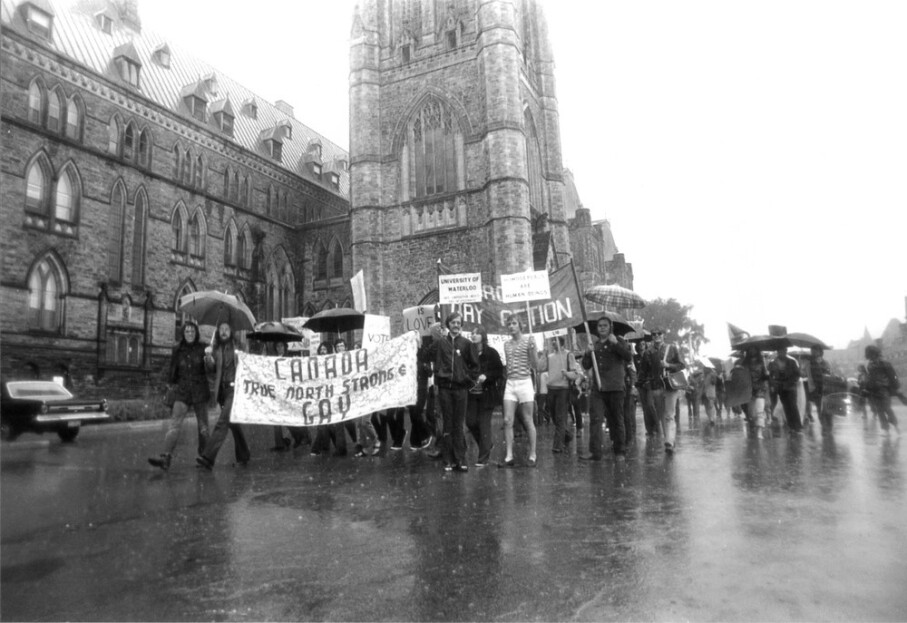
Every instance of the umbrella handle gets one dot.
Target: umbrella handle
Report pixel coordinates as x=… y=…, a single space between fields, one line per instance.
x=598 y=380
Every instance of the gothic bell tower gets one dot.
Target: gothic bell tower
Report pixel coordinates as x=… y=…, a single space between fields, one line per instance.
x=454 y=145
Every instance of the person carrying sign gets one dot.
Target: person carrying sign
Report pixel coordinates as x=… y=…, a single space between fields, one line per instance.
x=562 y=371
x=456 y=368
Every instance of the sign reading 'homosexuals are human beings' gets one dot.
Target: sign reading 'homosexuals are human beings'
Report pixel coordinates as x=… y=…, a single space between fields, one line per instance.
x=528 y=286
x=461 y=288
x=326 y=389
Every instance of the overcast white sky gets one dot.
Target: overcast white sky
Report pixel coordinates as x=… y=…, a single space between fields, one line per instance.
x=750 y=156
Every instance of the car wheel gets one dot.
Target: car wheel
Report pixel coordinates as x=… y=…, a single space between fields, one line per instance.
x=68 y=434
x=7 y=432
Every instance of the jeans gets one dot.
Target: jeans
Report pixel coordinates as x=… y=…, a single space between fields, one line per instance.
x=606 y=406
x=453 y=407
x=219 y=435
x=649 y=414
x=478 y=421
x=560 y=403
x=788 y=398
x=666 y=403
x=177 y=415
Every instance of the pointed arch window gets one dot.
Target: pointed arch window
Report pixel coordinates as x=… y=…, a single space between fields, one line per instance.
x=35 y=102
x=199 y=179
x=129 y=141
x=115 y=226
x=66 y=200
x=242 y=248
x=287 y=294
x=179 y=232
x=113 y=136
x=534 y=164
x=138 y=239
x=187 y=167
x=321 y=262
x=177 y=161
x=229 y=246
x=74 y=118
x=337 y=261
x=37 y=187
x=227 y=183
x=144 y=153
x=181 y=317
x=433 y=152
x=45 y=296
x=54 y=111
x=244 y=191
x=195 y=242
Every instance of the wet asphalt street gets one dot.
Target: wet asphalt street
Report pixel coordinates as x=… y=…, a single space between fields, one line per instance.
x=730 y=528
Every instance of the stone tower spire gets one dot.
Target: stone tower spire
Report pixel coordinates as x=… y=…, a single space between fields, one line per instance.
x=454 y=145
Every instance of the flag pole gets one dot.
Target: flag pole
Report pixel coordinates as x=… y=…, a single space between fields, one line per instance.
x=582 y=308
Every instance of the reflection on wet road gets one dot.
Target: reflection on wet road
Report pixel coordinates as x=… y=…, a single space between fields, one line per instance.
x=730 y=528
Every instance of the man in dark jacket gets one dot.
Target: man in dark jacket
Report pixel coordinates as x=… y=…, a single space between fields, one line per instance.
x=611 y=357
x=456 y=367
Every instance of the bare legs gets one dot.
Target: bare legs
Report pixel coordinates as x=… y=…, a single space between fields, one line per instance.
x=525 y=410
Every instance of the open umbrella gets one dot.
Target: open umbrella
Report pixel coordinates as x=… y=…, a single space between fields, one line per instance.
x=762 y=342
x=806 y=341
x=615 y=297
x=337 y=320
x=275 y=332
x=210 y=307
x=619 y=326
x=638 y=336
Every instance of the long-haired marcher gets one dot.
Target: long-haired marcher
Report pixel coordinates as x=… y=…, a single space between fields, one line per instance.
x=421 y=432
x=643 y=386
x=606 y=400
x=483 y=397
x=519 y=394
x=881 y=384
x=660 y=360
x=754 y=410
x=223 y=361
x=562 y=372
x=456 y=370
x=188 y=374
x=784 y=376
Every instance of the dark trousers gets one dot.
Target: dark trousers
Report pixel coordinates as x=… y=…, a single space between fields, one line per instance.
x=788 y=398
x=881 y=403
x=219 y=434
x=559 y=398
x=453 y=409
x=577 y=404
x=606 y=406
x=629 y=417
x=418 y=427
x=649 y=414
x=478 y=421
x=392 y=421
x=325 y=435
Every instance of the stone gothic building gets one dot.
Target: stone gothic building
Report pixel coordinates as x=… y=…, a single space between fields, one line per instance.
x=455 y=150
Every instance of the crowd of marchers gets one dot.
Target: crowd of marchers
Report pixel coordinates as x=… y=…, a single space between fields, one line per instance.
x=462 y=381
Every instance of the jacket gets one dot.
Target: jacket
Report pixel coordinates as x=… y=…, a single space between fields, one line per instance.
x=455 y=362
x=224 y=371
x=612 y=360
x=653 y=365
x=492 y=367
x=187 y=372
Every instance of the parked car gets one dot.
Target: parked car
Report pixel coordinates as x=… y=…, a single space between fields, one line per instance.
x=45 y=406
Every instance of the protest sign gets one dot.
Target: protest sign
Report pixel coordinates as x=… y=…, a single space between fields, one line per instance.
x=462 y=288
x=420 y=318
x=528 y=286
x=326 y=389
x=376 y=330
x=310 y=339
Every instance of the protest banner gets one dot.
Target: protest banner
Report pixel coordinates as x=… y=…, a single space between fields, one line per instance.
x=420 y=318
x=462 y=288
x=376 y=330
x=326 y=389
x=562 y=310
x=528 y=286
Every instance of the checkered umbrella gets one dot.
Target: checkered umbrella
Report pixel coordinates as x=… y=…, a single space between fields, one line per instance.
x=615 y=297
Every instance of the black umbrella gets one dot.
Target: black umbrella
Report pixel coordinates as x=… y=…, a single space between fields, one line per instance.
x=762 y=342
x=275 y=332
x=337 y=320
x=806 y=341
x=619 y=326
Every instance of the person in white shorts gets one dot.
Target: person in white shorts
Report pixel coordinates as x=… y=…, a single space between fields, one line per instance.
x=519 y=394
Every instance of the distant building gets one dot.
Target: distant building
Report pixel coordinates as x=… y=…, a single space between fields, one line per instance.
x=893 y=343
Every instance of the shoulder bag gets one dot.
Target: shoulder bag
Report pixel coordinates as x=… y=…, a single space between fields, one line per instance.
x=674 y=381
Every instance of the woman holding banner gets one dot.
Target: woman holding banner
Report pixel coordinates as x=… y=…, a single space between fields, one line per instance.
x=483 y=396
x=519 y=394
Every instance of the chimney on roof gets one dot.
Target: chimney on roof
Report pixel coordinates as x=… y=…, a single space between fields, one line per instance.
x=129 y=14
x=285 y=108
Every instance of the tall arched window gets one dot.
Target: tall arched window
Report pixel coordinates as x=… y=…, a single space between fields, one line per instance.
x=179 y=231
x=199 y=180
x=138 y=239
x=187 y=167
x=244 y=191
x=194 y=236
x=229 y=245
x=432 y=153
x=534 y=162
x=35 y=102
x=177 y=161
x=37 y=189
x=115 y=225
x=74 y=118
x=241 y=250
x=113 y=136
x=129 y=141
x=337 y=261
x=321 y=261
x=287 y=293
x=55 y=111
x=144 y=154
x=45 y=292
x=66 y=199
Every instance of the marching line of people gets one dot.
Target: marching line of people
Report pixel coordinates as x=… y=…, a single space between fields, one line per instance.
x=461 y=382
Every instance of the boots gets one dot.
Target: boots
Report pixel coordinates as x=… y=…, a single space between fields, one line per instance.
x=163 y=461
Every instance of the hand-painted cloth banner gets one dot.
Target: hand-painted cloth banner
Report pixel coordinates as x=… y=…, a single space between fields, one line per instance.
x=326 y=389
x=562 y=310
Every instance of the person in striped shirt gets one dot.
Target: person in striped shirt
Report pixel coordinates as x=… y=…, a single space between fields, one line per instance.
x=519 y=394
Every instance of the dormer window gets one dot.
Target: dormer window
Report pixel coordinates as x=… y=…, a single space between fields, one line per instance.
x=451 y=39
x=197 y=107
x=335 y=181
x=40 y=22
x=250 y=108
x=128 y=64
x=105 y=23
x=224 y=122
x=275 y=149
x=406 y=52
x=316 y=170
x=161 y=56
x=195 y=97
